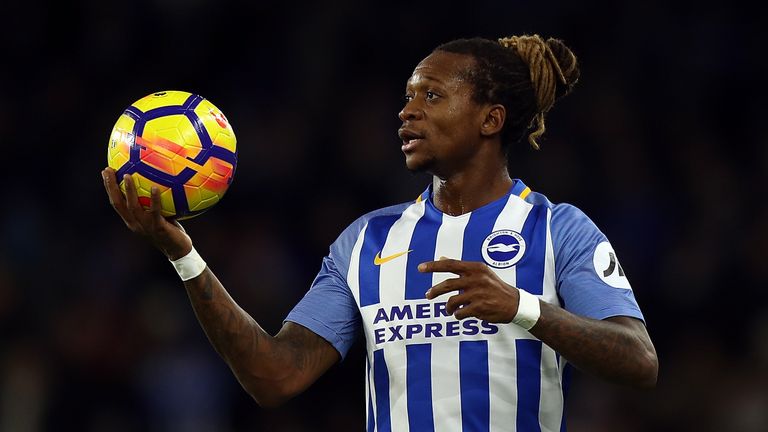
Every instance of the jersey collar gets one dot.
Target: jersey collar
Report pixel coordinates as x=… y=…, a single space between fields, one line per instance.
x=518 y=188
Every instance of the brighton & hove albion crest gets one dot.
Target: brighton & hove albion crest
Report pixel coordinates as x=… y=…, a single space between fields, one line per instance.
x=504 y=248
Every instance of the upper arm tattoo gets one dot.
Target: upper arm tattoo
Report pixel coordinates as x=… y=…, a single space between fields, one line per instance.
x=309 y=351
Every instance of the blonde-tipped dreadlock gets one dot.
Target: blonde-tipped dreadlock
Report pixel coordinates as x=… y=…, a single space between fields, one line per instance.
x=524 y=73
x=546 y=73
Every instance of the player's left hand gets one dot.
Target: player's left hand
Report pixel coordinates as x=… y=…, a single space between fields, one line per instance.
x=481 y=293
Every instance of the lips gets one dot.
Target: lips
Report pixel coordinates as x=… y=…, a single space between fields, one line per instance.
x=410 y=137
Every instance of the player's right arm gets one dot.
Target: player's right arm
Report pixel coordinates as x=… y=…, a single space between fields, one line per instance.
x=271 y=369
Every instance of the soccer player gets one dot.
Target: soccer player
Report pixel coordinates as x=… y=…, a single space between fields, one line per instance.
x=473 y=298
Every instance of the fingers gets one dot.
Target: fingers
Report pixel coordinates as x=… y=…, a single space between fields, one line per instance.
x=155 y=205
x=116 y=197
x=458 y=267
x=465 y=312
x=448 y=285
x=131 y=196
x=127 y=206
x=110 y=185
x=457 y=303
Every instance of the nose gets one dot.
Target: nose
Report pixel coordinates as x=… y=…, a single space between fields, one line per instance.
x=411 y=111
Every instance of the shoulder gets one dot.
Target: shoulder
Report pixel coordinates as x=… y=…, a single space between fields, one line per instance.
x=565 y=217
x=343 y=245
x=392 y=211
x=576 y=239
x=574 y=235
x=569 y=217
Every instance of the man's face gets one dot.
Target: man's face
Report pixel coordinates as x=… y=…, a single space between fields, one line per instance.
x=441 y=122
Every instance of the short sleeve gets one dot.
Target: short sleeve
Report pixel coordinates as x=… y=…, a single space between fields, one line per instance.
x=329 y=309
x=590 y=279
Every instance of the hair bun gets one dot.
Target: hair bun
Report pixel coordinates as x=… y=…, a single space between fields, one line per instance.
x=568 y=65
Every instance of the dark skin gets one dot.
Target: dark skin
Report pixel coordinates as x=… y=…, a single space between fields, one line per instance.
x=457 y=140
x=272 y=369
x=459 y=143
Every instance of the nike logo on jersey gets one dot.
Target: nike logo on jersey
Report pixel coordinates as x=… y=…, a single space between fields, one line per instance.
x=378 y=260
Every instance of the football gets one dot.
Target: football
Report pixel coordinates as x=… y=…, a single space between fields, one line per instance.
x=179 y=142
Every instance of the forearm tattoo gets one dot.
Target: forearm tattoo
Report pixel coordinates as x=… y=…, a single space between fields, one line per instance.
x=604 y=348
x=257 y=358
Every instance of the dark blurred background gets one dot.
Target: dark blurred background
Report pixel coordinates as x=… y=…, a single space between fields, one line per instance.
x=663 y=144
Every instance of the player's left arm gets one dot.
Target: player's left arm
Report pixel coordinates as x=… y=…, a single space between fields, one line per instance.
x=618 y=349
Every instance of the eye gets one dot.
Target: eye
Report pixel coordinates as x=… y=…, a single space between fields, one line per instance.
x=432 y=95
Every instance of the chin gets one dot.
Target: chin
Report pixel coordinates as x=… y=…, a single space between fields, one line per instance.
x=417 y=163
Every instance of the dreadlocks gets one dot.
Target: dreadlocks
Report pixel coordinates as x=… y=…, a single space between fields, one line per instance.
x=524 y=73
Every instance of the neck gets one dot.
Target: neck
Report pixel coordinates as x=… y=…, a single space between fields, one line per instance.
x=466 y=191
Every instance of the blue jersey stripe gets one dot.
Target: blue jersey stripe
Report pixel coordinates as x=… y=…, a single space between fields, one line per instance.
x=419 y=382
x=530 y=270
x=528 y=384
x=425 y=195
x=381 y=382
x=475 y=387
x=480 y=224
x=371 y=416
x=375 y=236
x=422 y=245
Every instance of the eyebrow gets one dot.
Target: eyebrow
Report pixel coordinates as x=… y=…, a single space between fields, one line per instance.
x=427 y=77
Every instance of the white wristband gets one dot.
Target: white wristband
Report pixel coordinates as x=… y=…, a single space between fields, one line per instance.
x=189 y=266
x=528 y=310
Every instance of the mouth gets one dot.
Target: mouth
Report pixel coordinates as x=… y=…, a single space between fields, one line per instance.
x=410 y=138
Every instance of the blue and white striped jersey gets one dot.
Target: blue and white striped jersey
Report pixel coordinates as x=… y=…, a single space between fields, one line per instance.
x=428 y=371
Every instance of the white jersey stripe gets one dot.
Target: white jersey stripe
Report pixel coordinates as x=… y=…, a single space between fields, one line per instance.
x=551 y=406
x=512 y=217
x=391 y=291
x=445 y=374
x=397 y=364
x=353 y=278
x=551 y=402
x=550 y=288
x=503 y=397
x=502 y=353
x=446 y=400
x=392 y=276
x=449 y=244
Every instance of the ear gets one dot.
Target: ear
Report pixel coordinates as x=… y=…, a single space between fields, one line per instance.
x=493 y=120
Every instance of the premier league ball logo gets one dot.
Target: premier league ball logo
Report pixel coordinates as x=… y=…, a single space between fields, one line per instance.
x=504 y=248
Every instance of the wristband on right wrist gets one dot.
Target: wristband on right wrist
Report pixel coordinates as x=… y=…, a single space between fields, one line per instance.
x=189 y=266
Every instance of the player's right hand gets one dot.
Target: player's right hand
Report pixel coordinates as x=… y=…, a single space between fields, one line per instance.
x=166 y=234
